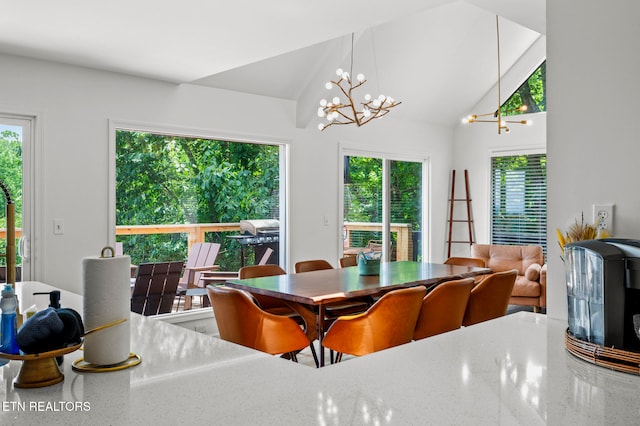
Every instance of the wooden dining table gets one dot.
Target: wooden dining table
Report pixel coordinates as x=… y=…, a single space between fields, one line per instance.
x=319 y=288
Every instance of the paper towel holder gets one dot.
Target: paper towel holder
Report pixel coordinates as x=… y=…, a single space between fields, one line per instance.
x=104 y=249
x=82 y=366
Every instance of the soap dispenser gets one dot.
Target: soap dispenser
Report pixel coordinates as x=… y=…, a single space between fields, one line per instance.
x=54 y=298
x=8 y=305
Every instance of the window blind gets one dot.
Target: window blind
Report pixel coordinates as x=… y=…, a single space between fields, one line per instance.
x=519 y=200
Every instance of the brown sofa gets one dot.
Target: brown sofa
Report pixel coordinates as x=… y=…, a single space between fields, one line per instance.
x=530 y=288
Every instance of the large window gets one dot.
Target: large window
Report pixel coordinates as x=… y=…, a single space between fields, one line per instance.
x=164 y=180
x=519 y=200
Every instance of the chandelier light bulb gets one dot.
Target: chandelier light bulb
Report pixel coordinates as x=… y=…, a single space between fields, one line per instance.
x=341 y=108
x=496 y=116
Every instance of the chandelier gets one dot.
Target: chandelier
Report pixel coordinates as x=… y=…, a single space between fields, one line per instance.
x=342 y=109
x=496 y=117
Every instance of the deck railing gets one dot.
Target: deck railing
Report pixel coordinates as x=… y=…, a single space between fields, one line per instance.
x=196 y=232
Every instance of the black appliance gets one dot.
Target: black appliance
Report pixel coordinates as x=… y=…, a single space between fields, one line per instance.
x=603 y=291
x=259 y=235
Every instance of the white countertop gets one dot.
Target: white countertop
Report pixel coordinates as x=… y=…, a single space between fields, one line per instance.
x=514 y=370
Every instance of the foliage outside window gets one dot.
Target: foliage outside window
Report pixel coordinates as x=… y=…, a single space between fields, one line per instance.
x=519 y=200
x=363 y=195
x=11 y=160
x=531 y=93
x=163 y=179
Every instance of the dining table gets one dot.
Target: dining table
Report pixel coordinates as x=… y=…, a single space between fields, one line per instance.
x=321 y=288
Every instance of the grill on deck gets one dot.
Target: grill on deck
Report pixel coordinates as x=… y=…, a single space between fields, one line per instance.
x=259 y=234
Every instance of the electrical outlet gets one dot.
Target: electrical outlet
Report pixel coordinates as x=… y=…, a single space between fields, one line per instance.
x=603 y=215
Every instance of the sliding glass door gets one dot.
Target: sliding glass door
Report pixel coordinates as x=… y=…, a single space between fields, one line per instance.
x=16 y=159
x=382 y=206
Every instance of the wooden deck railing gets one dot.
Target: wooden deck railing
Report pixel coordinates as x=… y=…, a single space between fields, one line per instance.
x=404 y=241
x=196 y=232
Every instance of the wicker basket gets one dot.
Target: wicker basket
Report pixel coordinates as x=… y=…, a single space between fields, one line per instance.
x=615 y=359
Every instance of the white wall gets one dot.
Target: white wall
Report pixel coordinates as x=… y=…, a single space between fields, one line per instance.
x=314 y=171
x=474 y=146
x=74 y=106
x=475 y=143
x=592 y=135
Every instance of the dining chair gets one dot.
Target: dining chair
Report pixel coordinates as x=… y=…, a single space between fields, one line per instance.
x=154 y=290
x=465 y=261
x=240 y=320
x=489 y=299
x=312 y=265
x=389 y=322
x=443 y=308
x=273 y=305
x=201 y=258
x=335 y=309
x=348 y=261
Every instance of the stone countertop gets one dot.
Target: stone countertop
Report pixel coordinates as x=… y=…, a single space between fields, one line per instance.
x=513 y=370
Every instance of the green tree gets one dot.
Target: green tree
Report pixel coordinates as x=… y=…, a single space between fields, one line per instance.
x=11 y=175
x=169 y=180
x=531 y=93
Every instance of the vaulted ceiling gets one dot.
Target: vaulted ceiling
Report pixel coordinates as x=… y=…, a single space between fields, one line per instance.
x=436 y=56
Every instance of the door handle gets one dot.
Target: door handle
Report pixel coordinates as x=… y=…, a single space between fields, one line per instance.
x=23 y=248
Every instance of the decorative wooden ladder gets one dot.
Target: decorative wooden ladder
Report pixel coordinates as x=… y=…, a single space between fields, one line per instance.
x=451 y=221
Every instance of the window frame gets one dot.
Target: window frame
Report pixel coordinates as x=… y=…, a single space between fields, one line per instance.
x=283 y=144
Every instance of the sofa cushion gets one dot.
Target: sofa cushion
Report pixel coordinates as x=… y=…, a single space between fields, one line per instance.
x=525 y=288
x=533 y=272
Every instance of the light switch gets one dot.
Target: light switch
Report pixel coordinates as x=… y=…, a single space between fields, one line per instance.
x=58 y=226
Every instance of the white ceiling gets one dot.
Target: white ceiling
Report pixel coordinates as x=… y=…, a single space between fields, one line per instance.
x=436 y=56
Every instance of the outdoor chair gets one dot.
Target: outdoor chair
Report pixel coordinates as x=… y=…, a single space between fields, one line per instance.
x=154 y=291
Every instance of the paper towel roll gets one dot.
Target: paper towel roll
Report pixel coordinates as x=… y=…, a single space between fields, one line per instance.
x=107 y=297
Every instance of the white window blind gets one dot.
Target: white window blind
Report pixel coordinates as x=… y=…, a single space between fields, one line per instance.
x=519 y=200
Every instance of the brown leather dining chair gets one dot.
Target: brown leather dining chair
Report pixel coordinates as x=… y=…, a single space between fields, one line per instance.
x=348 y=261
x=240 y=320
x=465 y=261
x=443 y=308
x=389 y=322
x=273 y=305
x=489 y=299
x=336 y=309
x=312 y=265
x=268 y=303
